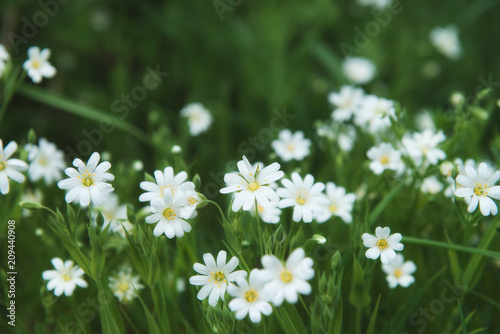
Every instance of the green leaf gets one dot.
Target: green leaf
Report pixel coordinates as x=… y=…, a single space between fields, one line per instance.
x=131 y=213
x=337 y=320
x=152 y=325
x=358 y=297
x=373 y=318
x=454 y=263
x=111 y=321
x=295 y=317
x=464 y=322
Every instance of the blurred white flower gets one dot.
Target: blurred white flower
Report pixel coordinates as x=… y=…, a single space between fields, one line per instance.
x=290 y=146
x=479 y=188
x=199 y=118
x=358 y=70
x=10 y=168
x=89 y=182
x=424 y=121
x=347 y=138
x=4 y=57
x=35 y=195
x=382 y=244
x=38 y=65
x=305 y=196
x=248 y=297
x=446 y=41
x=422 y=147
x=252 y=183
x=383 y=157
x=65 y=278
x=176 y=149
x=124 y=285
x=431 y=185
x=269 y=214
x=399 y=272
x=340 y=204
x=165 y=181
x=287 y=280
x=215 y=277
x=112 y=212
x=374 y=114
x=380 y=4
x=46 y=162
x=346 y=102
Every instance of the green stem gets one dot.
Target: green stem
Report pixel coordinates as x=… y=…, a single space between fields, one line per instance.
x=258 y=227
x=218 y=207
x=483 y=252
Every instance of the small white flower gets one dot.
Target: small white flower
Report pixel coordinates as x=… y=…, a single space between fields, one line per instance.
x=168 y=213
x=374 y=114
x=176 y=149
x=479 y=188
x=112 y=212
x=422 y=147
x=138 y=165
x=347 y=138
x=180 y=285
x=89 y=182
x=288 y=280
x=249 y=297
x=46 y=162
x=291 y=146
x=446 y=41
x=399 y=272
x=424 y=121
x=38 y=65
x=358 y=70
x=193 y=199
x=252 y=183
x=35 y=195
x=340 y=203
x=65 y=278
x=385 y=157
x=199 y=118
x=431 y=185
x=124 y=285
x=4 y=57
x=347 y=102
x=10 y=168
x=165 y=181
x=269 y=214
x=382 y=244
x=215 y=277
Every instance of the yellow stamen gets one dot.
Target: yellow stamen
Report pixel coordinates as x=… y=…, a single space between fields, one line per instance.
x=382 y=244
x=3 y=165
x=300 y=200
x=251 y=295
x=286 y=276
x=481 y=190
x=169 y=214
x=253 y=186
x=398 y=273
x=219 y=277
x=384 y=160
x=332 y=208
x=36 y=64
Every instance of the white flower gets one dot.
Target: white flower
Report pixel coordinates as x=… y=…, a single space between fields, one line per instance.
x=124 y=285
x=424 y=121
x=199 y=118
x=252 y=183
x=385 y=157
x=347 y=138
x=168 y=213
x=65 y=278
x=269 y=214
x=380 y=4
x=374 y=114
x=35 y=195
x=358 y=70
x=305 y=196
x=422 y=147
x=166 y=180
x=4 y=57
x=38 y=65
x=340 y=204
x=192 y=202
x=10 y=168
x=399 y=272
x=382 y=244
x=46 y=162
x=113 y=213
x=249 y=297
x=347 y=102
x=288 y=280
x=446 y=41
x=215 y=277
x=88 y=182
x=479 y=188
x=290 y=146
x=431 y=185
x=176 y=149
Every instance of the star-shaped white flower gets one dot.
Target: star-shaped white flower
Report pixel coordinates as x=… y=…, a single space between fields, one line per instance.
x=382 y=244
x=165 y=180
x=10 y=168
x=347 y=102
x=399 y=272
x=291 y=146
x=383 y=157
x=340 y=203
x=199 y=118
x=38 y=65
x=89 y=182
x=168 y=213
x=124 y=285
x=479 y=188
x=46 y=162
x=215 y=277
x=65 y=278
x=358 y=70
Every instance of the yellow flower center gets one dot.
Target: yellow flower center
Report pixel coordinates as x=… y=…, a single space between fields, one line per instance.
x=384 y=160
x=123 y=287
x=42 y=162
x=87 y=179
x=398 y=273
x=3 y=165
x=169 y=214
x=286 y=276
x=332 y=208
x=36 y=64
x=481 y=189
x=382 y=244
x=218 y=278
x=251 y=295
x=192 y=200
x=253 y=186
x=290 y=147
x=300 y=200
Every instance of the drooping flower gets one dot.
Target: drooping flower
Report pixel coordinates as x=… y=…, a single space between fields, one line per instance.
x=358 y=70
x=399 y=272
x=478 y=188
x=291 y=146
x=65 y=278
x=252 y=183
x=446 y=41
x=382 y=244
x=168 y=213
x=46 y=162
x=287 y=280
x=215 y=276
x=38 y=65
x=347 y=102
x=124 y=285
x=340 y=203
x=383 y=157
x=248 y=297
x=165 y=180
x=10 y=168
x=89 y=182
x=199 y=118
x=305 y=196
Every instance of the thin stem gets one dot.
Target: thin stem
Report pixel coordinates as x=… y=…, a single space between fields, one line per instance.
x=258 y=227
x=218 y=207
x=484 y=252
x=304 y=305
